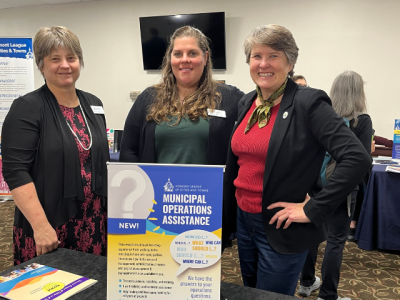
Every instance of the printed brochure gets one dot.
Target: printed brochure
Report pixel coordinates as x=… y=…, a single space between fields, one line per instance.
x=39 y=282
x=393 y=169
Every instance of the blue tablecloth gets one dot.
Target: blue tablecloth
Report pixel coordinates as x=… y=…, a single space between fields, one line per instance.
x=114 y=156
x=379 y=224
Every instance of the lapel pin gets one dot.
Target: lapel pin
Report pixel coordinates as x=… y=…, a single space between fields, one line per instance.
x=285 y=114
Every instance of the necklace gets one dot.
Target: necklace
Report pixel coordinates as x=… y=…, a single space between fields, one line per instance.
x=87 y=125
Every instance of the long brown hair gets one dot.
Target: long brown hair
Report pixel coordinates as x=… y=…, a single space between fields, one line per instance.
x=167 y=102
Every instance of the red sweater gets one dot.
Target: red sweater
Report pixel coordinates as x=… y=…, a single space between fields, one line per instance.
x=251 y=149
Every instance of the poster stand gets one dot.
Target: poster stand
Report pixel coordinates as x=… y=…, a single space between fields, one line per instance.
x=164 y=231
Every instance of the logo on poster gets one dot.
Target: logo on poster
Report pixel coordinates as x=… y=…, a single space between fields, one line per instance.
x=29 y=55
x=168 y=187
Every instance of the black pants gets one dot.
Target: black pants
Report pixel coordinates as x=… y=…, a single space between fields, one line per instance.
x=359 y=202
x=337 y=228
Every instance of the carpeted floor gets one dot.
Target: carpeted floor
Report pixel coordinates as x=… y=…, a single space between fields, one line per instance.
x=366 y=275
x=6 y=244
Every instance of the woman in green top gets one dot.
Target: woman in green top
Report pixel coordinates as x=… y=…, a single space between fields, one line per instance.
x=188 y=117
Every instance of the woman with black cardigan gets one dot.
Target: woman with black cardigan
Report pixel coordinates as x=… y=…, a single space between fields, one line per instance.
x=54 y=156
x=188 y=117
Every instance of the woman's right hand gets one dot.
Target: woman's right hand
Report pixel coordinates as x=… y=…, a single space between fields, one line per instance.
x=46 y=239
x=26 y=199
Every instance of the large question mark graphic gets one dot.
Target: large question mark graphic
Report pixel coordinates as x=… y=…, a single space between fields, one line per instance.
x=136 y=193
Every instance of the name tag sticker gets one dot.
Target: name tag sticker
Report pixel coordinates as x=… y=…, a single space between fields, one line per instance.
x=216 y=113
x=97 y=110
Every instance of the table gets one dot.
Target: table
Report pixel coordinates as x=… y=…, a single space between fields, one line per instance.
x=114 y=156
x=378 y=226
x=95 y=267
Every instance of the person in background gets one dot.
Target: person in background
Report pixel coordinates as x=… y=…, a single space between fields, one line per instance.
x=188 y=117
x=348 y=100
x=274 y=160
x=55 y=151
x=300 y=80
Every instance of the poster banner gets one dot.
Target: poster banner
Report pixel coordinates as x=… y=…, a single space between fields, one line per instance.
x=16 y=79
x=164 y=231
x=396 y=140
x=4 y=190
x=110 y=139
x=16 y=71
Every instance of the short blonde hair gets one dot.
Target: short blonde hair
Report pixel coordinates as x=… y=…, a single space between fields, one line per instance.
x=47 y=39
x=275 y=36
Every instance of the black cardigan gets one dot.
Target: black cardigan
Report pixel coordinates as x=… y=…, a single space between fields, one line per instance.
x=138 y=142
x=363 y=130
x=38 y=147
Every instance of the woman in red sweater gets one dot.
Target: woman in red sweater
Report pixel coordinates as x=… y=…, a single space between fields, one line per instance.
x=274 y=160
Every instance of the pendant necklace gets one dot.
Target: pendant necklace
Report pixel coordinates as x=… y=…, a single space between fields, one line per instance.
x=87 y=125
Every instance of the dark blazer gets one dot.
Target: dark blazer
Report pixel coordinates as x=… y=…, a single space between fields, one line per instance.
x=295 y=154
x=138 y=142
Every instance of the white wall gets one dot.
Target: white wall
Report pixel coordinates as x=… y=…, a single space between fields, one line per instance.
x=360 y=35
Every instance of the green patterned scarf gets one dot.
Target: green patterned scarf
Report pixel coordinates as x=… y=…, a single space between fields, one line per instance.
x=262 y=113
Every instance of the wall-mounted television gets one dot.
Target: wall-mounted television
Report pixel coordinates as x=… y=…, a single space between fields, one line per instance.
x=156 y=31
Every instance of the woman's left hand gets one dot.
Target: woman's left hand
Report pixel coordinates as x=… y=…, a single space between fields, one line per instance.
x=291 y=212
